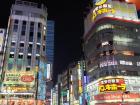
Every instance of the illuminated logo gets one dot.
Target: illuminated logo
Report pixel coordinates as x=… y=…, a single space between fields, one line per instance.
x=102 y=8
x=112 y=84
x=100 y=2
x=27 y=78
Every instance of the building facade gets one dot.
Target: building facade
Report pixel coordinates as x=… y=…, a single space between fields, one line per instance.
x=25 y=44
x=50 y=41
x=111 y=43
x=2 y=44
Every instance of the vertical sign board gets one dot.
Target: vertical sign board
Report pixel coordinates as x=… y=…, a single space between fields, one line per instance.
x=49 y=68
x=42 y=74
x=2 y=32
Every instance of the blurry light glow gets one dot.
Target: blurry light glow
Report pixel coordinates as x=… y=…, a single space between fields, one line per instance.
x=131 y=53
x=122 y=39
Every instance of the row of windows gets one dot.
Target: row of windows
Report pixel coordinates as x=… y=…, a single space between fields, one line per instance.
x=24 y=23
x=105 y=73
x=30 y=47
x=21 y=62
x=111 y=26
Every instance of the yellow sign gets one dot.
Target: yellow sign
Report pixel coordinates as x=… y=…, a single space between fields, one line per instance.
x=102 y=9
x=112 y=87
x=112 y=84
x=100 y=2
x=16 y=88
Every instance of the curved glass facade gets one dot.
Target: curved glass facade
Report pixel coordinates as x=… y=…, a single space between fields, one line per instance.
x=113 y=49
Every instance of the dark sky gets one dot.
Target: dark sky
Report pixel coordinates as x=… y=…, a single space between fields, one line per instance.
x=68 y=17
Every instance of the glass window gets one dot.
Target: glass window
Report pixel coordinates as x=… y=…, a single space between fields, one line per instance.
x=20 y=56
x=37 y=60
x=32 y=24
x=13 y=43
x=39 y=37
x=38 y=49
x=24 y=22
x=29 y=60
x=30 y=48
x=11 y=56
x=31 y=37
x=12 y=49
x=22 y=33
x=16 y=21
x=21 y=44
x=39 y=25
x=27 y=68
x=15 y=29
x=17 y=12
x=43 y=48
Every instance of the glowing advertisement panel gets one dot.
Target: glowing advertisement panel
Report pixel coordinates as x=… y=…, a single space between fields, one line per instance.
x=42 y=77
x=17 y=102
x=49 y=68
x=132 y=83
x=2 y=32
x=19 y=82
x=112 y=84
x=112 y=89
x=109 y=97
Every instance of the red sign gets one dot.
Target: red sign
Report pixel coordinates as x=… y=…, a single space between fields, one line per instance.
x=27 y=78
x=116 y=96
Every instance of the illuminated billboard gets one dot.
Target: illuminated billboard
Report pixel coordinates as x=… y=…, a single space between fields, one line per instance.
x=49 y=69
x=17 y=102
x=42 y=77
x=109 y=8
x=19 y=82
x=2 y=35
x=112 y=88
x=112 y=84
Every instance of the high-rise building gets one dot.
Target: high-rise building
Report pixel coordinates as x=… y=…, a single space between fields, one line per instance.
x=2 y=43
x=25 y=45
x=50 y=48
x=111 y=46
x=50 y=41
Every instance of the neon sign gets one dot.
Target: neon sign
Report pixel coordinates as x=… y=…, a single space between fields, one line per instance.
x=102 y=8
x=112 y=84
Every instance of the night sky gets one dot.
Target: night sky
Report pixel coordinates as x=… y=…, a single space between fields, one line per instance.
x=69 y=28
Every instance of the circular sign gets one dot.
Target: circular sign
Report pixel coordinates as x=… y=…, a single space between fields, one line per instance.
x=27 y=78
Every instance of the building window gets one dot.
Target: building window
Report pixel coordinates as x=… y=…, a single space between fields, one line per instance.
x=37 y=60
x=27 y=68
x=43 y=48
x=12 y=49
x=20 y=56
x=38 y=37
x=13 y=44
x=30 y=48
x=15 y=29
x=21 y=44
x=16 y=21
x=29 y=60
x=18 y=12
x=38 y=49
x=39 y=25
x=32 y=24
x=22 y=33
x=31 y=37
x=24 y=22
x=11 y=56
